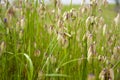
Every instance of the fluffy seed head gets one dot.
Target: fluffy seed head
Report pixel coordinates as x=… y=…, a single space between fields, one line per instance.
x=104 y=29
x=22 y=22
x=20 y=34
x=37 y=53
x=40 y=75
x=106 y=74
x=52 y=59
x=117 y=19
x=91 y=77
x=2 y=47
x=101 y=21
x=65 y=16
x=91 y=52
x=89 y=39
x=89 y=20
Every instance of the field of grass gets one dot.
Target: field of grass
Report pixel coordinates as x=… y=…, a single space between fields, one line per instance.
x=62 y=42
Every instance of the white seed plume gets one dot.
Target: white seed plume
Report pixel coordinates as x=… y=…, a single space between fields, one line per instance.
x=91 y=77
x=59 y=37
x=89 y=39
x=17 y=26
x=37 y=53
x=2 y=47
x=53 y=59
x=106 y=74
x=67 y=34
x=111 y=73
x=53 y=11
x=59 y=11
x=91 y=52
x=83 y=10
x=115 y=56
x=104 y=29
x=88 y=21
x=65 y=16
x=22 y=22
x=117 y=19
x=40 y=75
x=101 y=21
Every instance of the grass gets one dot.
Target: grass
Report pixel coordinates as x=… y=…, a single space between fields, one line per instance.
x=44 y=42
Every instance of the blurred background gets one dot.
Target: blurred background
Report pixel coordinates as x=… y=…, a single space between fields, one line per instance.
x=79 y=1
x=73 y=1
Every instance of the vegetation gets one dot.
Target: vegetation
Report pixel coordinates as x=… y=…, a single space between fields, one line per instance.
x=40 y=41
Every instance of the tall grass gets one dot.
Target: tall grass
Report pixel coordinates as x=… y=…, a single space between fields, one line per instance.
x=41 y=41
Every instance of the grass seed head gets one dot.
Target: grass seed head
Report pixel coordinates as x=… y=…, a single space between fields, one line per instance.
x=91 y=77
x=2 y=47
x=116 y=50
x=37 y=53
x=115 y=56
x=7 y=30
x=62 y=39
x=53 y=59
x=35 y=45
x=101 y=21
x=91 y=52
x=22 y=22
x=102 y=58
x=67 y=34
x=104 y=29
x=111 y=74
x=21 y=34
x=73 y=13
x=106 y=74
x=84 y=10
x=89 y=39
x=82 y=2
x=89 y=21
x=40 y=75
x=17 y=26
x=117 y=19
x=105 y=3
x=65 y=16
x=51 y=29
x=60 y=23
x=78 y=35
x=11 y=11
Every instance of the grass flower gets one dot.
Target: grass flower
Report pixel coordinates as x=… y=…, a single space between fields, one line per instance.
x=20 y=34
x=115 y=56
x=53 y=59
x=40 y=75
x=106 y=74
x=91 y=77
x=91 y=52
x=37 y=53
x=2 y=47
x=104 y=29
x=117 y=19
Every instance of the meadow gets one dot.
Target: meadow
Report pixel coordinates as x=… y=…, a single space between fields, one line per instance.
x=41 y=41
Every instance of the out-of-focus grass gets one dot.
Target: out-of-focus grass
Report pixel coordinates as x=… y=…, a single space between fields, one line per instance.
x=109 y=13
x=55 y=48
